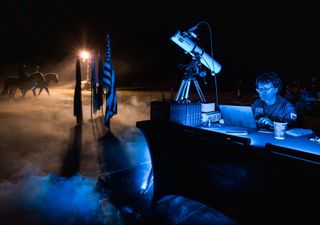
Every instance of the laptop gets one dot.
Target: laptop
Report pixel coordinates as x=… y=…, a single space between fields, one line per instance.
x=240 y=116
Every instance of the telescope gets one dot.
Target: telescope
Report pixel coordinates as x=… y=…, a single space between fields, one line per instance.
x=192 y=48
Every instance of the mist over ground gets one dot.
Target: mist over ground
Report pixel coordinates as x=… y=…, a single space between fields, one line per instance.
x=36 y=134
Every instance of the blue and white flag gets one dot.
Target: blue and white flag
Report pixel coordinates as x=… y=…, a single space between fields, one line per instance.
x=109 y=81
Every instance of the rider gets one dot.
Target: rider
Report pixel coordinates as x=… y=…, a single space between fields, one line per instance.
x=22 y=71
x=36 y=70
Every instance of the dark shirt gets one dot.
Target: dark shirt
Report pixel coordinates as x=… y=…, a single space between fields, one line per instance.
x=281 y=110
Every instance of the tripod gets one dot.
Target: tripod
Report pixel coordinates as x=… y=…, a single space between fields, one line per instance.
x=192 y=69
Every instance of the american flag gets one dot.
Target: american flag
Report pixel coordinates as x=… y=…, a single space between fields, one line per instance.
x=109 y=81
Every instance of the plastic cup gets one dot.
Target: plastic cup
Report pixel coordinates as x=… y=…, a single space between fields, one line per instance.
x=280 y=129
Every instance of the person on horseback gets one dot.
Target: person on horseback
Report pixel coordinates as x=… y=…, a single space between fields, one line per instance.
x=40 y=82
x=11 y=84
x=22 y=71
x=36 y=69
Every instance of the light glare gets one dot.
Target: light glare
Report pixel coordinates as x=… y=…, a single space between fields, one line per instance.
x=84 y=55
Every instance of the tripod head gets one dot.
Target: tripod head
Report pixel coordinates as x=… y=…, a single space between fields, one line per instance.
x=193 y=68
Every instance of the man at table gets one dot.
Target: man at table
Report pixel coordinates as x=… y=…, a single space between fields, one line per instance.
x=270 y=106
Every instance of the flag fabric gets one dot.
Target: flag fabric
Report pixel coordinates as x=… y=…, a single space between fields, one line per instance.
x=77 y=100
x=109 y=81
x=100 y=82
x=94 y=83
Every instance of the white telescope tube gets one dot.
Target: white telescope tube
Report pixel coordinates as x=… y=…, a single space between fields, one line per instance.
x=192 y=48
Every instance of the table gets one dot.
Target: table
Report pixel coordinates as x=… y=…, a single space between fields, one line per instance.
x=248 y=177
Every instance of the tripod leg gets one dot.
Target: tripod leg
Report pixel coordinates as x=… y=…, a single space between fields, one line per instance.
x=181 y=91
x=196 y=84
x=186 y=94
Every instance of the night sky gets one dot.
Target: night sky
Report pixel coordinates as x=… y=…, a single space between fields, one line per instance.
x=248 y=38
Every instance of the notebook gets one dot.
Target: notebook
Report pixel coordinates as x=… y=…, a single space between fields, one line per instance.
x=240 y=116
x=297 y=132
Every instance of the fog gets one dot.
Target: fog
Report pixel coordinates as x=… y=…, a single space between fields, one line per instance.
x=37 y=134
x=65 y=68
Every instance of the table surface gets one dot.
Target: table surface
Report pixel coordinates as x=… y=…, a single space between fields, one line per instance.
x=260 y=138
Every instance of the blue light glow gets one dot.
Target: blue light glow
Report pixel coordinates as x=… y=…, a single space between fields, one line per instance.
x=62 y=199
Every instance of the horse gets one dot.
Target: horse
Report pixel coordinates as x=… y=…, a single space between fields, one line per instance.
x=8 y=86
x=44 y=85
x=12 y=83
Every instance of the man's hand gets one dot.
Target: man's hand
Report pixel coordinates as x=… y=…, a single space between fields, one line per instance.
x=265 y=121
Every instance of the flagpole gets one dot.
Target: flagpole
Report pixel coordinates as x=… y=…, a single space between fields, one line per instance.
x=102 y=115
x=102 y=105
x=91 y=102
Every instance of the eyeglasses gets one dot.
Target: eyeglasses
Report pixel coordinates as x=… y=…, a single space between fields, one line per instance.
x=263 y=89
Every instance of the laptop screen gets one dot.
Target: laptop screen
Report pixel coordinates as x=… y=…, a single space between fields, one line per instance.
x=241 y=116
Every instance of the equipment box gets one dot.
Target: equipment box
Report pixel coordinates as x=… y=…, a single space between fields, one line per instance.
x=183 y=113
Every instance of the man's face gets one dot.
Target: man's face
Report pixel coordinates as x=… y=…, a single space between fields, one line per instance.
x=267 y=91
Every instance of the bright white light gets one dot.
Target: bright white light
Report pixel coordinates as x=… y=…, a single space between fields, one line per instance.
x=84 y=55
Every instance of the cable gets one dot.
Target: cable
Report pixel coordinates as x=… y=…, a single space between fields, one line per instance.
x=212 y=72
